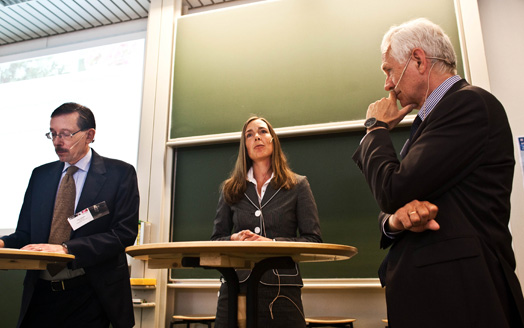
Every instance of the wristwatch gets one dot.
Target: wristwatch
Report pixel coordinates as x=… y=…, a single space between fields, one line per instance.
x=65 y=248
x=373 y=122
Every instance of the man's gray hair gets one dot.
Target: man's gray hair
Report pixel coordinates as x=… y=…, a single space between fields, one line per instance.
x=420 y=33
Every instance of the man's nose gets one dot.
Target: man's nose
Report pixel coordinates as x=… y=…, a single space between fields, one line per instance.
x=58 y=141
x=388 y=84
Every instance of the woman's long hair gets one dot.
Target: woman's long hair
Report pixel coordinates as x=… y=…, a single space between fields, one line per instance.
x=234 y=187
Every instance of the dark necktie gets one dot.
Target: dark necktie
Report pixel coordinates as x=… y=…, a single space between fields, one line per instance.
x=64 y=208
x=414 y=127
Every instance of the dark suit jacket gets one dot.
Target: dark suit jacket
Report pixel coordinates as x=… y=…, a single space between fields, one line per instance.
x=461 y=159
x=99 y=246
x=288 y=212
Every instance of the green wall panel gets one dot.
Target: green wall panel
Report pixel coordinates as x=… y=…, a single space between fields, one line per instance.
x=298 y=61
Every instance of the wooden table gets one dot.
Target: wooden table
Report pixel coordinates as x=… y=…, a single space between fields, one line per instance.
x=226 y=256
x=16 y=259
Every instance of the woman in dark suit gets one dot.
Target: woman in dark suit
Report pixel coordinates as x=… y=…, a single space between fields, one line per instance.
x=263 y=200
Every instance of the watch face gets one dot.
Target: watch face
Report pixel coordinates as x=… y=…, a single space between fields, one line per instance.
x=370 y=122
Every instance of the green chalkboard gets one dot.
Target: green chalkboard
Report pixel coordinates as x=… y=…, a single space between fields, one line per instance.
x=298 y=61
x=347 y=210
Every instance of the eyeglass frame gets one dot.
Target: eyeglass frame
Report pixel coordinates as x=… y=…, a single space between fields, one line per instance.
x=50 y=136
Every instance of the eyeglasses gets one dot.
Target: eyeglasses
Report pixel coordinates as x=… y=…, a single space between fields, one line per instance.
x=62 y=135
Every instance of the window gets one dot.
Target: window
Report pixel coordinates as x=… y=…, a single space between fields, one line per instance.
x=107 y=79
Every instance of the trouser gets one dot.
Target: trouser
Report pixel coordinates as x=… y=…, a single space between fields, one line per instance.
x=72 y=304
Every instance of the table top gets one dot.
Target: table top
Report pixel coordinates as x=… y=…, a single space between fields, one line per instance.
x=236 y=254
x=16 y=259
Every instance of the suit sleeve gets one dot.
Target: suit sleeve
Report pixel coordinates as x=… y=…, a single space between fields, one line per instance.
x=449 y=147
x=223 y=223
x=307 y=215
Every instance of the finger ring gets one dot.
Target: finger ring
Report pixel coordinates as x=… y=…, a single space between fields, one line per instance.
x=412 y=212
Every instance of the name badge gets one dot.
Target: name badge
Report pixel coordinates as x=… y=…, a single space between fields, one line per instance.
x=87 y=215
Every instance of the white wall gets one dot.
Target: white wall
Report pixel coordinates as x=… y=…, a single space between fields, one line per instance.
x=503 y=32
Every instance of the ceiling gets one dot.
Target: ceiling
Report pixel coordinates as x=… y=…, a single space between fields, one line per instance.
x=22 y=20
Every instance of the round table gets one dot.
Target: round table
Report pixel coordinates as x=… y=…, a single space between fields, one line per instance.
x=226 y=256
x=16 y=259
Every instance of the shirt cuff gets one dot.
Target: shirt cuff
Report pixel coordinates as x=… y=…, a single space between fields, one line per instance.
x=389 y=234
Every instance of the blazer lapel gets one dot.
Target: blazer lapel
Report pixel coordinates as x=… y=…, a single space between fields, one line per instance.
x=47 y=202
x=94 y=182
x=457 y=86
x=270 y=191
x=251 y=193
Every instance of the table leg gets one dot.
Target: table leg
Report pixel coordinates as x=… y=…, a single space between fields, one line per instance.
x=232 y=291
x=252 y=284
x=232 y=287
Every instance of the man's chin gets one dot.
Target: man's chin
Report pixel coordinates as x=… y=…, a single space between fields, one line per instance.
x=404 y=104
x=62 y=156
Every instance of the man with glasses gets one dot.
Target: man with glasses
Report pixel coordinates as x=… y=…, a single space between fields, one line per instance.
x=93 y=290
x=446 y=204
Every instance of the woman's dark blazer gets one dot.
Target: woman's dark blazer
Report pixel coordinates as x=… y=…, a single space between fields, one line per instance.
x=286 y=213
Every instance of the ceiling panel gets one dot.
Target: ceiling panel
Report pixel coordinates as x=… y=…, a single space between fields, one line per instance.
x=22 y=20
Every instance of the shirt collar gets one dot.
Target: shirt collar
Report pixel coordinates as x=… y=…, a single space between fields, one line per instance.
x=437 y=95
x=251 y=177
x=83 y=163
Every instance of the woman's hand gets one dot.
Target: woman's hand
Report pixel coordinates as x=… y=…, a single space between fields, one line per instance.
x=247 y=235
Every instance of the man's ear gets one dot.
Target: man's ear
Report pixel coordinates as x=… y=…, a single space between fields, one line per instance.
x=419 y=56
x=91 y=135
